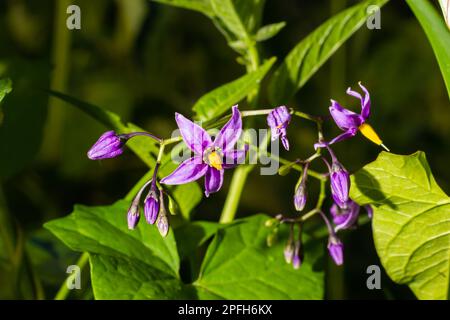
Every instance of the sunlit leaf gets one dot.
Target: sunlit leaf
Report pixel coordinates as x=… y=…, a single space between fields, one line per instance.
x=220 y=100
x=312 y=52
x=5 y=88
x=239 y=265
x=125 y=264
x=411 y=223
x=437 y=32
x=269 y=31
x=202 y=6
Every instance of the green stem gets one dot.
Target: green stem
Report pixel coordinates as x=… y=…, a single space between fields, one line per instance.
x=61 y=61
x=63 y=291
x=234 y=194
x=241 y=173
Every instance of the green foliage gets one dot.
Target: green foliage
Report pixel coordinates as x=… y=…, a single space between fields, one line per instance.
x=5 y=88
x=437 y=32
x=269 y=31
x=187 y=196
x=220 y=100
x=411 y=223
x=140 y=264
x=312 y=52
x=22 y=116
x=203 y=6
x=239 y=265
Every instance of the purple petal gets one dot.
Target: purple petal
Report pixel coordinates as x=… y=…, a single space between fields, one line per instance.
x=346 y=135
x=336 y=250
x=195 y=136
x=345 y=218
x=340 y=184
x=189 y=170
x=230 y=132
x=109 y=145
x=151 y=207
x=344 y=118
x=234 y=157
x=284 y=140
x=365 y=105
x=278 y=121
x=365 y=102
x=213 y=180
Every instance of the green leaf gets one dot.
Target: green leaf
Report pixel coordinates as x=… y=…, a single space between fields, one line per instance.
x=202 y=6
x=5 y=88
x=125 y=264
x=411 y=223
x=239 y=265
x=241 y=17
x=437 y=32
x=312 y=52
x=226 y=12
x=220 y=100
x=190 y=236
x=121 y=278
x=269 y=31
x=22 y=115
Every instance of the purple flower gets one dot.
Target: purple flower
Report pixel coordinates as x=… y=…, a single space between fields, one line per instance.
x=151 y=205
x=336 y=249
x=345 y=218
x=210 y=157
x=340 y=183
x=350 y=122
x=278 y=121
x=109 y=145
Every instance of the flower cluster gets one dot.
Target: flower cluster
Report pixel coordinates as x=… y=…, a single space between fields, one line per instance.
x=212 y=155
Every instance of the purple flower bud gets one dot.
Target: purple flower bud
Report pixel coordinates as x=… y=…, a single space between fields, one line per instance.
x=347 y=217
x=133 y=215
x=151 y=206
x=340 y=183
x=336 y=249
x=109 y=145
x=297 y=258
x=278 y=121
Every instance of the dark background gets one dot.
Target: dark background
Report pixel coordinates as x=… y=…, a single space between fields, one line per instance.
x=146 y=61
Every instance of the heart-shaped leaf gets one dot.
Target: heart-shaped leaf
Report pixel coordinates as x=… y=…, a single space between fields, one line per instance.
x=411 y=223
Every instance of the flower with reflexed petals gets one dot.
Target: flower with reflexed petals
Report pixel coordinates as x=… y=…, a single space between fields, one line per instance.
x=352 y=122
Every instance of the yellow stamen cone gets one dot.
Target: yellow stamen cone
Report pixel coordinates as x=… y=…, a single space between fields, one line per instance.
x=215 y=160
x=368 y=132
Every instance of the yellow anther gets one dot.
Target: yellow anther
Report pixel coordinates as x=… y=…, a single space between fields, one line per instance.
x=215 y=160
x=369 y=133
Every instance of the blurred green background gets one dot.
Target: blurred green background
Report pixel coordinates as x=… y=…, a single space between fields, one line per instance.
x=145 y=61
